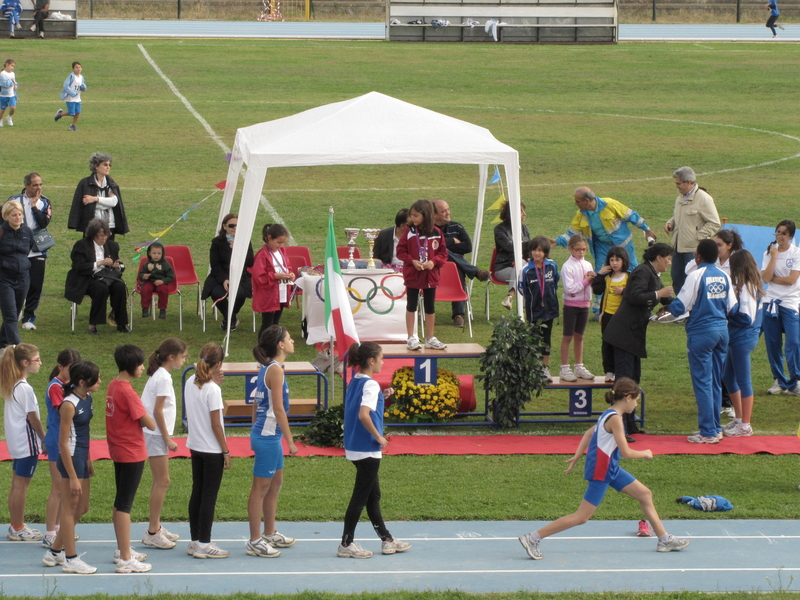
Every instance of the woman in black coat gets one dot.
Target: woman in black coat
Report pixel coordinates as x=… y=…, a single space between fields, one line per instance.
x=96 y=272
x=627 y=329
x=98 y=197
x=16 y=241
x=216 y=284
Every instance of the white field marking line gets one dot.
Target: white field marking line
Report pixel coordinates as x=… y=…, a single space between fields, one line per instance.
x=213 y=134
x=401 y=571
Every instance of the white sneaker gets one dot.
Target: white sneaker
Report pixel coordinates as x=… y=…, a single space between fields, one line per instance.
x=582 y=372
x=28 y=325
x=566 y=374
x=10 y=121
x=33 y=27
x=133 y=566
x=435 y=344
x=795 y=391
x=191 y=548
x=741 y=430
x=732 y=425
x=393 y=546
x=157 y=540
x=699 y=439
x=212 y=551
x=76 y=565
x=508 y=302
x=728 y=411
x=172 y=537
x=353 y=551
x=47 y=540
x=26 y=534
x=776 y=389
x=413 y=343
x=261 y=548
x=279 y=540
x=610 y=378
x=53 y=560
x=779 y=26
x=134 y=555
x=547 y=375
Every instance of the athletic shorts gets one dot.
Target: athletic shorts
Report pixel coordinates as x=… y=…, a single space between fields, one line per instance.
x=81 y=465
x=575 y=319
x=596 y=490
x=73 y=108
x=6 y=101
x=25 y=467
x=269 y=455
x=127 y=477
x=156 y=446
x=53 y=453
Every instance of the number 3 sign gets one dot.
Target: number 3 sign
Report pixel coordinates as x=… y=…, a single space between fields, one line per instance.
x=580 y=402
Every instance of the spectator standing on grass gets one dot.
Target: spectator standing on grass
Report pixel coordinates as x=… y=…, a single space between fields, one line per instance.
x=36 y=214
x=458 y=244
x=74 y=84
x=8 y=91
x=772 y=7
x=708 y=297
x=125 y=418
x=16 y=243
x=270 y=426
x=158 y=398
x=780 y=270
x=604 y=222
x=504 y=267
x=40 y=13
x=98 y=197
x=363 y=446
x=386 y=243
x=694 y=218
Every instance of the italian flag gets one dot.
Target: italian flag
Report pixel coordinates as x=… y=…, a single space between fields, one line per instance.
x=338 y=316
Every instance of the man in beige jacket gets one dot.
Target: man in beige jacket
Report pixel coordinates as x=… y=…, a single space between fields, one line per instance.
x=694 y=218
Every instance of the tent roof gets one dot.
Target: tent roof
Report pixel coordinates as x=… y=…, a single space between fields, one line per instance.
x=370 y=129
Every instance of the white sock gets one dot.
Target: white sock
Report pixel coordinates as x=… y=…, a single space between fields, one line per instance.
x=564 y=367
x=664 y=538
x=535 y=537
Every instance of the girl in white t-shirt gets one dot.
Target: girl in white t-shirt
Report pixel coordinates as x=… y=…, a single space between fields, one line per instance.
x=780 y=269
x=208 y=446
x=24 y=432
x=158 y=398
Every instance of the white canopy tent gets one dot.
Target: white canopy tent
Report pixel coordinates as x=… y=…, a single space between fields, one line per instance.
x=369 y=129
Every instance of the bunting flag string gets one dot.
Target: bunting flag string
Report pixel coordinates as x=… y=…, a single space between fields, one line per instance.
x=141 y=248
x=498 y=204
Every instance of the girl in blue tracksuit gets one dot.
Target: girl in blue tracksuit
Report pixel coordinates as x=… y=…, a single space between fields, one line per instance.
x=604 y=443
x=744 y=327
x=708 y=298
x=538 y=284
x=363 y=443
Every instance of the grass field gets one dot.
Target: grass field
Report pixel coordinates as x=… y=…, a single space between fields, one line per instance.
x=617 y=118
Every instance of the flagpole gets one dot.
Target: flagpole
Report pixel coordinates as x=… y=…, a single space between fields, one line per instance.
x=331 y=394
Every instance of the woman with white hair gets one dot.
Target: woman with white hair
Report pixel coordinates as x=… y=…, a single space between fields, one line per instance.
x=98 y=197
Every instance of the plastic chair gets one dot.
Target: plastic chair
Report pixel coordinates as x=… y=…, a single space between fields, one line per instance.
x=301 y=251
x=344 y=252
x=492 y=279
x=172 y=288
x=451 y=290
x=183 y=263
x=295 y=264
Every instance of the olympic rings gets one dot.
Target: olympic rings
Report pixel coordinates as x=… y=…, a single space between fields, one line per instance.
x=358 y=300
x=371 y=293
x=383 y=283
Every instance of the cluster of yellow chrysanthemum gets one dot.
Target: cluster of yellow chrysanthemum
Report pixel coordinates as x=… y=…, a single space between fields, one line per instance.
x=416 y=403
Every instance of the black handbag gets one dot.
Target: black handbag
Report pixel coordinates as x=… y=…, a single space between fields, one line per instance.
x=43 y=240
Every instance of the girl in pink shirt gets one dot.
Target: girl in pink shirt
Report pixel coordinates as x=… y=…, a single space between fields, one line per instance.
x=576 y=276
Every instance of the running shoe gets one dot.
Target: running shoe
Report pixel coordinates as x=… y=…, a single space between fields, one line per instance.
x=610 y=377
x=732 y=425
x=76 y=565
x=157 y=540
x=172 y=537
x=644 y=529
x=28 y=325
x=261 y=548
x=531 y=546
x=26 y=534
x=190 y=548
x=546 y=373
x=776 y=389
x=47 y=540
x=73 y=128
x=133 y=566
x=279 y=540
x=392 y=546
x=508 y=302
x=211 y=551
x=741 y=430
x=413 y=343
x=134 y=555
x=59 y=114
x=434 y=344
x=582 y=372
x=53 y=560
x=673 y=544
x=353 y=551
x=699 y=439
x=567 y=375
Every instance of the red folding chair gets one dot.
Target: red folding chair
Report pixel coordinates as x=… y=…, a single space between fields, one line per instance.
x=295 y=264
x=451 y=290
x=301 y=251
x=185 y=273
x=492 y=279
x=172 y=288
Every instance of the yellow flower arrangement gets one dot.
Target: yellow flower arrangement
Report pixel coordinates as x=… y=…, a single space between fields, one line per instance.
x=415 y=403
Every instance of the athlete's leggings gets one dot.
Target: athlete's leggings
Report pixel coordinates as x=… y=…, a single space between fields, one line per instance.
x=207 y=469
x=428 y=300
x=366 y=493
x=736 y=374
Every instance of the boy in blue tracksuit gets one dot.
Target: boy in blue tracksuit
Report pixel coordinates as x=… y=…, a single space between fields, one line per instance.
x=772 y=7
x=708 y=298
x=74 y=84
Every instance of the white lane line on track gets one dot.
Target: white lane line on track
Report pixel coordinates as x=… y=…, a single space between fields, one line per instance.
x=401 y=571
x=276 y=218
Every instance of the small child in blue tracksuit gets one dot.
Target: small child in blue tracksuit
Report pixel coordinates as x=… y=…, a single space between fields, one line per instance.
x=74 y=84
x=538 y=284
x=363 y=443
